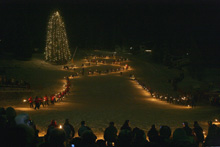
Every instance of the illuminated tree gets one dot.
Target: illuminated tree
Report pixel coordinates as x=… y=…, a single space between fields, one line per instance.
x=57 y=48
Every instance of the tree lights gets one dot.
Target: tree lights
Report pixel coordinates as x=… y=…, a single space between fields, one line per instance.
x=57 y=48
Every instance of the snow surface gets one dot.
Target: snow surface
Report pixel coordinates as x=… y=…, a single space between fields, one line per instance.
x=97 y=99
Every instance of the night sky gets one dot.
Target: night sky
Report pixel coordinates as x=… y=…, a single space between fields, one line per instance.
x=102 y=25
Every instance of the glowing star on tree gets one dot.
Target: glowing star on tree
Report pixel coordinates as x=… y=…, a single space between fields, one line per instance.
x=57 y=48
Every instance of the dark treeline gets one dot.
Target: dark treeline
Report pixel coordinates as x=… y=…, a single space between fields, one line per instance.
x=169 y=28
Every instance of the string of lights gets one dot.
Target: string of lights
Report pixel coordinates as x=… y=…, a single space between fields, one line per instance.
x=57 y=48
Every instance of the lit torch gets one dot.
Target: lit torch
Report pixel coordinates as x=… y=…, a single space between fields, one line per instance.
x=216 y=122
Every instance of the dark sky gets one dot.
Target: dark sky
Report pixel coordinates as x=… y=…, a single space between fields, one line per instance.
x=104 y=24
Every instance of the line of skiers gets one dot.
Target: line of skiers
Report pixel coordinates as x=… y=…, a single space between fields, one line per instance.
x=91 y=72
x=118 y=61
x=38 y=101
x=186 y=100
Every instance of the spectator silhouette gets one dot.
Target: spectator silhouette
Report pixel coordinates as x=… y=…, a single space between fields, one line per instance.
x=21 y=136
x=88 y=139
x=188 y=131
x=24 y=119
x=110 y=134
x=126 y=126
x=213 y=137
x=139 y=138
x=124 y=138
x=153 y=134
x=69 y=130
x=52 y=126
x=56 y=138
x=125 y=135
x=198 y=131
x=83 y=128
x=11 y=114
x=180 y=139
x=164 y=136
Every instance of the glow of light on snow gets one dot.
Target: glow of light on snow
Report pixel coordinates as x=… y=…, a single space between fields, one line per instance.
x=23 y=109
x=42 y=133
x=99 y=136
x=216 y=123
x=165 y=103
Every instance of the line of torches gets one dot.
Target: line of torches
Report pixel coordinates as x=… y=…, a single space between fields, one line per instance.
x=184 y=100
x=64 y=89
x=118 y=61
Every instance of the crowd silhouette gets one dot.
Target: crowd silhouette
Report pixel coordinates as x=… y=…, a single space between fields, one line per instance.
x=12 y=83
x=20 y=131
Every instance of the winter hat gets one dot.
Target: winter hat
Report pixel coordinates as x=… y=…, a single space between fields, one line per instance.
x=10 y=113
x=165 y=131
x=22 y=119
